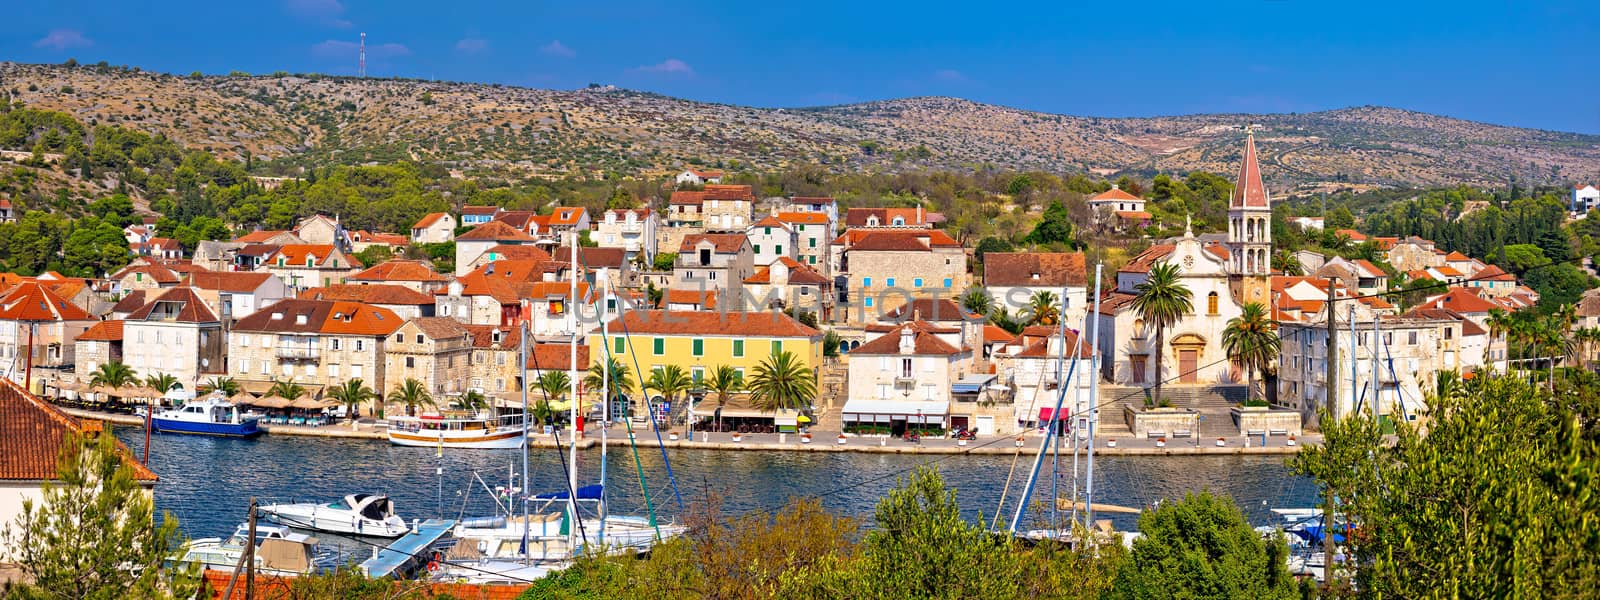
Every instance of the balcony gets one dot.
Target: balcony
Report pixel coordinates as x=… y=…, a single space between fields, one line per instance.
x=633 y=227
x=299 y=352
x=632 y=245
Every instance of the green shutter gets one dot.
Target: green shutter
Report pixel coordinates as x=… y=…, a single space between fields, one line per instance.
x=699 y=347
x=620 y=347
x=738 y=348
x=777 y=347
x=660 y=346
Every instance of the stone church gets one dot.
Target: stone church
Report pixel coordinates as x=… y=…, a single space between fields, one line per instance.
x=1221 y=276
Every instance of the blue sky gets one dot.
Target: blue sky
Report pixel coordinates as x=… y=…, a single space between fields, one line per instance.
x=1526 y=64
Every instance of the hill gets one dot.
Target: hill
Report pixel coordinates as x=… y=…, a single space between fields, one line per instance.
x=299 y=120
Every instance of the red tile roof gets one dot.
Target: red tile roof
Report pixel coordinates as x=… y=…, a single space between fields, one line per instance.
x=1070 y=348
x=1455 y=256
x=483 y=336
x=104 y=331
x=295 y=255
x=859 y=217
x=513 y=271
x=931 y=309
x=322 y=316
x=479 y=210
x=376 y=293
x=1134 y=215
x=566 y=215
x=710 y=174
x=157 y=273
x=812 y=200
x=799 y=273
x=33 y=433
x=593 y=257
x=1460 y=300
x=130 y=302
x=993 y=333
x=1148 y=258
x=1034 y=269
x=191 y=309
x=1371 y=269
x=725 y=243
x=661 y=322
x=238 y=282
x=557 y=357
x=1248 y=190
x=687 y=198
x=924 y=342
x=33 y=301
x=441 y=328
x=770 y=221
x=520 y=252
x=704 y=300
x=258 y=237
x=400 y=270
x=808 y=218
x=1493 y=273
x=494 y=231
x=924 y=240
x=1355 y=236
x=1114 y=193
x=729 y=192
x=429 y=220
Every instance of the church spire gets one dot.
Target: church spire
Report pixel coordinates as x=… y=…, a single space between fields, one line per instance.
x=1248 y=190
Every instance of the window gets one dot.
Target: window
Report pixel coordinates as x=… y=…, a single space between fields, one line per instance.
x=899 y=221
x=659 y=346
x=699 y=347
x=264 y=367
x=620 y=346
x=360 y=346
x=739 y=371
x=905 y=368
x=1211 y=303
x=244 y=365
x=333 y=371
x=777 y=249
x=738 y=348
x=1411 y=338
x=766 y=231
x=411 y=362
x=813 y=258
x=756 y=248
x=419 y=338
x=947 y=282
x=866 y=282
x=777 y=347
x=869 y=301
x=399 y=338
x=812 y=241
x=889 y=282
x=266 y=341
x=698 y=375
x=244 y=340
x=356 y=370
x=333 y=343
x=1449 y=332
x=916 y=282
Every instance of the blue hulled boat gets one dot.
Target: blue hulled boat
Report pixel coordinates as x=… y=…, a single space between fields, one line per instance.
x=209 y=416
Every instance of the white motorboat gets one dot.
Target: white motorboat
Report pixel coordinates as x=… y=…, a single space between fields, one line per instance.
x=213 y=415
x=355 y=514
x=278 y=551
x=477 y=432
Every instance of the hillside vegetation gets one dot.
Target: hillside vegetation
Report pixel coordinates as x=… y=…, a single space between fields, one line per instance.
x=285 y=122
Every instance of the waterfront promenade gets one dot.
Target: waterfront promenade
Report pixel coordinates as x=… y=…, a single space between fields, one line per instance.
x=821 y=441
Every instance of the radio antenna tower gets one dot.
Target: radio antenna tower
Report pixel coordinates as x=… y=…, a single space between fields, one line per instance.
x=362 y=68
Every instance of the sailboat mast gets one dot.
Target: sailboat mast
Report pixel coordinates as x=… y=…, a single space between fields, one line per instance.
x=1377 y=385
x=1094 y=400
x=605 y=408
x=572 y=360
x=522 y=352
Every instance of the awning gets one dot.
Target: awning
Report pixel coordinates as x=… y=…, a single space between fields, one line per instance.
x=971 y=384
x=1046 y=414
x=885 y=411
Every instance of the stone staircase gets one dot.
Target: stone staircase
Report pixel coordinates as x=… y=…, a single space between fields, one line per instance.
x=1212 y=401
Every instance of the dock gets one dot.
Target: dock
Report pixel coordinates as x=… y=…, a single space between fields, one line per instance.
x=409 y=549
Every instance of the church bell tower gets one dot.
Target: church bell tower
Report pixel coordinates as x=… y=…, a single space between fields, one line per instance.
x=1250 y=226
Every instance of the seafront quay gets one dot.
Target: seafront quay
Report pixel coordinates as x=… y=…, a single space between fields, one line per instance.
x=822 y=441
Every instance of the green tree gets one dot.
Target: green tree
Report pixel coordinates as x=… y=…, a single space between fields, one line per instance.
x=724 y=380
x=664 y=261
x=284 y=388
x=92 y=534
x=352 y=394
x=473 y=401
x=226 y=385
x=669 y=381
x=780 y=382
x=553 y=385
x=1042 y=309
x=1160 y=300
x=1202 y=547
x=113 y=374
x=1339 y=218
x=162 y=382
x=1055 y=228
x=977 y=300
x=1520 y=527
x=411 y=394
x=1251 y=341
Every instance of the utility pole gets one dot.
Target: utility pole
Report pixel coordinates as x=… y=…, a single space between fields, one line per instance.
x=250 y=549
x=1332 y=396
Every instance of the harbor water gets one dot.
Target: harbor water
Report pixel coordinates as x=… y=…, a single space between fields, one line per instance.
x=207 y=482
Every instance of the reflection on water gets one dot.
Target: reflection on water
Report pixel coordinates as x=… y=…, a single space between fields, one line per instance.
x=207 y=482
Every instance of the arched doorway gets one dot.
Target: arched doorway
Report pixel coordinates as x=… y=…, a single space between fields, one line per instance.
x=1189 y=349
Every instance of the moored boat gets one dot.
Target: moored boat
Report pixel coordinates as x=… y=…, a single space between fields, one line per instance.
x=278 y=551
x=478 y=432
x=209 y=416
x=357 y=514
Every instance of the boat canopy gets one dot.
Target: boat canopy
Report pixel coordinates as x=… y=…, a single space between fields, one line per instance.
x=588 y=492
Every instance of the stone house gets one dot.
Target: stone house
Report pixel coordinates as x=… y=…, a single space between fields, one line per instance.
x=403 y=301
x=38 y=333
x=903 y=377
x=176 y=333
x=1012 y=278
x=302 y=266
x=632 y=230
x=813 y=231
x=413 y=274
x=888 y=268
x=433 y=228
x=714 y=261
x=314 y=343
x=436 y=351
x=770 y=240
x=236 y=295
x=100 y=344
x=470 y=246
x=493 y=368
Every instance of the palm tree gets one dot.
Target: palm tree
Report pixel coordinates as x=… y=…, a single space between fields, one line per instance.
x=1500 y=323
x=413 y=394
x=553 y=384
x=620 y=380
x=669 y=380
x=1002 y=319
x=473 y=401
x=1161 y=299
x=113 y=374
x=226 y=385
x=1042 y=308
x=351 y=394
x=163 y=382
x=1586 y=338
x=1251 y=340
x=781 y=382
x=977 y=300
x=1287 y=262
x=724 y=380
x=286 y=389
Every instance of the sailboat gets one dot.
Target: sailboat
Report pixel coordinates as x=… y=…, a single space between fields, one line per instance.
x=539 y=540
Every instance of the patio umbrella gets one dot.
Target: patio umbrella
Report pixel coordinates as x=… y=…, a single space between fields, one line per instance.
x=242 y=398
x=308 y=403
x=273 y=402
x=146 y=392
x=106 y=390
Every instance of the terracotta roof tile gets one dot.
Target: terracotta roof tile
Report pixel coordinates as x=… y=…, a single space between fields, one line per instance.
x=687 y=198
x=716 y=191
x=924 y=342
x=129 y=303
x=1034 y=269
x=510 y=270
x=239 y=282
x=480 y=210
x=1114 y=193
x=32 y=434
x=566 y=215
x=812 y=200
x=399 y=270
x=725 y=243
x=1459 y=300
x=1148 y=258
x=1041 y=348
x=593 y=257
x=519 y=252
x=494 y=231
x=483 y=336
x=33 y=301
x=429 y=220
x=157 y=273
x=860 y=217
x=296 y=254
x=191 y=309
x=704 y=300
x=661 y=322
x=993 y=333
x=258 y=237
x=903 y=241
x=104 y=331
x=440 y=328
x=931 y=309
x=375 y=293
x=1134 y=215
x=799 y=273
x=353 y=318
x=557 y=357
x=1455 y=256
x=807 y=218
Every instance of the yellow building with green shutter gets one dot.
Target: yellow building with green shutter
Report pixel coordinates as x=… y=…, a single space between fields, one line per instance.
x=700 y=341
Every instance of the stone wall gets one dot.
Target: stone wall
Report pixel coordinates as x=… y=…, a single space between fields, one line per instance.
x=1161 y=422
